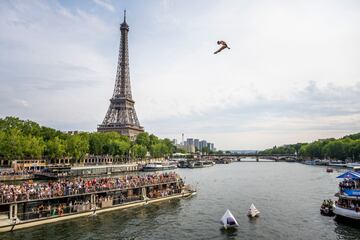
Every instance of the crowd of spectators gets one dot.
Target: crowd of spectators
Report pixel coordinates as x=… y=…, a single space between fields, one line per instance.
x=349 y=204
x=349 y=184
x=29 y=190
x=11 y=172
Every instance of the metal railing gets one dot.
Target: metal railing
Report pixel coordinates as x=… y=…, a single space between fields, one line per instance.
x=18 y=198
x=60 y=210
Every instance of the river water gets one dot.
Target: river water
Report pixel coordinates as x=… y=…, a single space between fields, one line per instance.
x=287 y=194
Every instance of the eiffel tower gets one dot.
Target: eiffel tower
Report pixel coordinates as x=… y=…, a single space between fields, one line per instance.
x=121 y=115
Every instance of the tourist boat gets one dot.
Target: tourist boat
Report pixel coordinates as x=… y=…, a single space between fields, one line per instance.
x=310 y=162
x=316 y=162
x=337 y=163
x=31 y=209
x=253 y=212
x=201 y=164
x=228 y=220
x=159 y=166
x=352 y=165
x=348 y=203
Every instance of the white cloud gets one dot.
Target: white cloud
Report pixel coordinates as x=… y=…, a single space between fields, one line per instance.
x=21 y=103
x=291 y=75
x=50 y=58
x=105 y=4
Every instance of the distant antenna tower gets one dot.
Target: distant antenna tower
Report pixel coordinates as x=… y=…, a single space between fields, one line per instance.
x=182 y=139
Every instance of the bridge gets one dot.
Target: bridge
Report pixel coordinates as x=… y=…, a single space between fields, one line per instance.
x=258 y=157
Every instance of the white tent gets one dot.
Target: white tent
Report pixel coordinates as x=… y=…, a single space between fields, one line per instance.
x=228 y=220
x=253 y=212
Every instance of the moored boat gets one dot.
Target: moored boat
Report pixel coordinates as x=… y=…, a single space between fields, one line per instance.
x=228 y=220
x=159 y=166
x=337 y=163
x=30 y=204
x=183 y=164
x=201 y=164
x=352 y=165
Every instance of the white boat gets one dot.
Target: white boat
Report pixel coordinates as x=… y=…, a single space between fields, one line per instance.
x=253 y=212
x=352 y=165
x=348 y=197
x=159 y=166
x=228 y=220
x=201 y=164
x=337 y=163
x=347 y=213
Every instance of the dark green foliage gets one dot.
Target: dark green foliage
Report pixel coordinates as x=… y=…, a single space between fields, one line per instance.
x=21 y=139
x=347 y=147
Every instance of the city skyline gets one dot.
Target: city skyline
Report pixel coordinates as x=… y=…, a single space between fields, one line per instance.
x=291 y=75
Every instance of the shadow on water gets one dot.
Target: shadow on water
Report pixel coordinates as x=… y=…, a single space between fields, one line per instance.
x=341 y=221
x=254 y=220
x=229 y=232
x=346 y=228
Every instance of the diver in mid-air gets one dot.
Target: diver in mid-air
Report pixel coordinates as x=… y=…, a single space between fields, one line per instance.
x=223 y=46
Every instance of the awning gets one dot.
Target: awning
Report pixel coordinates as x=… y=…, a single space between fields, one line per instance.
x=350 y=175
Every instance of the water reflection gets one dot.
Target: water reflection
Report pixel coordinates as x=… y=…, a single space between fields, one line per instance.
x=230 y=232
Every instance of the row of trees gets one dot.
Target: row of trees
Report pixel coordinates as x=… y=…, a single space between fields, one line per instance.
x=28 y=140
x=344 y=148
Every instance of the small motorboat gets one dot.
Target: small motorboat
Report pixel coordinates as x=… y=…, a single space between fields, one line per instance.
x=327 y=208
x=253 y=212
x=228 y=220
x=329 y=170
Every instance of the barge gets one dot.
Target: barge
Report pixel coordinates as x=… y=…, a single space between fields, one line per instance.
x=67 y=199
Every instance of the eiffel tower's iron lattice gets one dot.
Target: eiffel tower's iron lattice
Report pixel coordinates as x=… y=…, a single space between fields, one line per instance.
x=121 y=115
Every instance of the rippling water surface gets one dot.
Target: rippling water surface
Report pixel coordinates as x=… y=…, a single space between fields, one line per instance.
x=287 y=194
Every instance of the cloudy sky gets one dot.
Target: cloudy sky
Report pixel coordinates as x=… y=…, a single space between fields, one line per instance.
x=292 y=74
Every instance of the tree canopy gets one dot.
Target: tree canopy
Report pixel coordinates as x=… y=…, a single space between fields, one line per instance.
x=24 y=139
x=347 y=147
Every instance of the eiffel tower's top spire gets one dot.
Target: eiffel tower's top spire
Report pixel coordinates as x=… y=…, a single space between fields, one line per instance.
x=124 y=25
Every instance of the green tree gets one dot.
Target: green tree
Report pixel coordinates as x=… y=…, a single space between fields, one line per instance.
x=55 y=148
x=158 y=150
x=314 y=150
x=138 y=151
x=143 y=139
x=32 y=147
x=11 y=146
x=153 y=139
x=77 y=146
x=335 y=149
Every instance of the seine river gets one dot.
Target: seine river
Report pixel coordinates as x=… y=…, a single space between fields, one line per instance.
x=287 y=194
